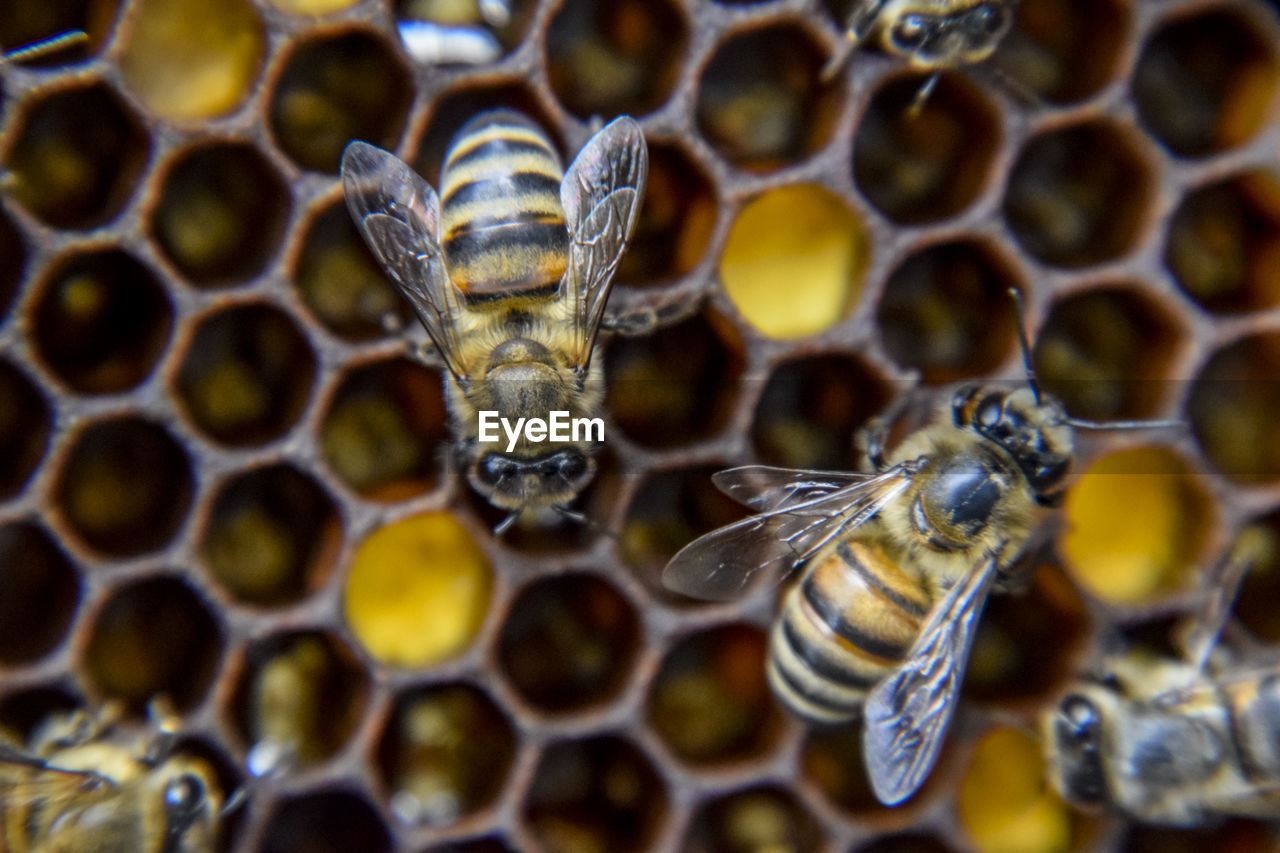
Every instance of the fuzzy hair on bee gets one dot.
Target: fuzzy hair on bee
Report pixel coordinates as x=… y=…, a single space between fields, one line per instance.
x=896 y=564
x=509 y=269
x=87 y=785
x=1179 y=742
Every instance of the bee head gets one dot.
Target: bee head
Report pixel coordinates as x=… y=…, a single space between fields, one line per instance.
x=1076 y=730
x=1033 y=429
x=518 y=483
x=187 y=799
x=932 y=40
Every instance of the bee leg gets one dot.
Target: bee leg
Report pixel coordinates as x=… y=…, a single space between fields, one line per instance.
x=162 y=723
x=873 y=438
x=857 y=27
x=646 y=317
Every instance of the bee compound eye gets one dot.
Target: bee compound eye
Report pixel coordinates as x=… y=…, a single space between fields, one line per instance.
x=1082 y=719
x=492 y=469
x=989 y=412
x=910 y=31
x=184 y=793
x=572 y=466
x=988 y=19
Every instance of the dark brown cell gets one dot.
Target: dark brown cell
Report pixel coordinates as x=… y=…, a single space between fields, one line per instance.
x=383 y=429
x=754 y=819
x=675 y=386
x=761 y=103
x=101 y=321
x=1223 y=244
x=569 y=643
x=334 y=89
x=271 y=536
x=221 y=213
x=831 y=760
x=23 y=710
x=125 y=486
x=13 y=262
x=606 y=59
x=1106 y=354
x=25 y=424
x=1255 y=603
x=926 y=164
x=905 y=843
x=811 y=409
x=601 y=791
x=1080 y=195
x=77 y=157
x=153 y=638
x=710 y=701
x=332 y=820
x=246 y=376
x=26 y=22
x=342 y=284
x=1237 y=836
x=677 y=216
x=445 y=754
x=474 y=845
x=946 y=311
x=1064 y=50
x=39 y=593
x=1234 y=409
x=1203 y=81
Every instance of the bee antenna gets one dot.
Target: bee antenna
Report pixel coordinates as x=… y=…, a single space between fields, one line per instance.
x=1079 y=423
x=1024 y=343
x=48 y=45
x=503 y=526
x=923 y=93
x=571 y=515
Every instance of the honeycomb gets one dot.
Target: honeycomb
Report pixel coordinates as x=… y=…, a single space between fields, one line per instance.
x=222 y=478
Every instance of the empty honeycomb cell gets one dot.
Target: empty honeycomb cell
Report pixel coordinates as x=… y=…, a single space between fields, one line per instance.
x=1223 y=244
x=246 y=375
x=101 y=321
x=335 y=89
x=221 y=213
x=1027 y=643
x=1105 y=353
x=831 y=759
x=904 y=843
x=929 y=163
x=710 y=702
x=810 y=410
x=26 y=22
x=39 y=593
x=1065 y=50
x=340 y=281
x=383 y=429
x=606 y=59
x=597 y=793
x=22 y=711
x=794 y=261
x=153 y=638
x=761 y=103
x=569 y=642
x=946 y=311
x=25 y=424
x=1079 y=195
x=1255 y=604
x=331 y=820
x=272 y=536
x=77 y=156
x=418 y=590
x=222 y=52
x=297 y=699
x=474 y=845
x=674 y=387
x=445 y=754
x=1237 y=836
x=1125 y=563
x=13 y=258
x=1234 y=409
x=1203 y=81
x=765 y=818
x=670 y=509
x=125 y=486
x=677 y=217
x=1004 y=802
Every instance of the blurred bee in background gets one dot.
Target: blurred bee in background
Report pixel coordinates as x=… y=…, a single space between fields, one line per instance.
x=87 y=786
x=1178 y=742
x=461 y=32
x=933 y=35
x=898 y=564
x=509 y=271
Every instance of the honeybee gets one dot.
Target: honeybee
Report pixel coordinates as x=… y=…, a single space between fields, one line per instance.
x=87 y=786
x=932 y=35
x=898 y=562
x=1177 y=742
x=509 y=271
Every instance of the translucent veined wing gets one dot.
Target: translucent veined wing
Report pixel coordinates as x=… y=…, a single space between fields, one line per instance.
x=397 y=213
x=26 y=779
x=907 y=714
x=601 y=194
x=803 y=511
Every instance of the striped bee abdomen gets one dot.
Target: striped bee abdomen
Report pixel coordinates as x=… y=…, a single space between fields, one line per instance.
x=849 y=621
x=502 y=226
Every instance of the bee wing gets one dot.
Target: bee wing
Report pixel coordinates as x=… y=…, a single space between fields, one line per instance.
x=601 y=194
x=25 y=779
x=397 y=213
x=907 y=714
x=804 y=511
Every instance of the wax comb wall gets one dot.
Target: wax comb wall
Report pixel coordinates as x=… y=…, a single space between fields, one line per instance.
x=221 y=476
